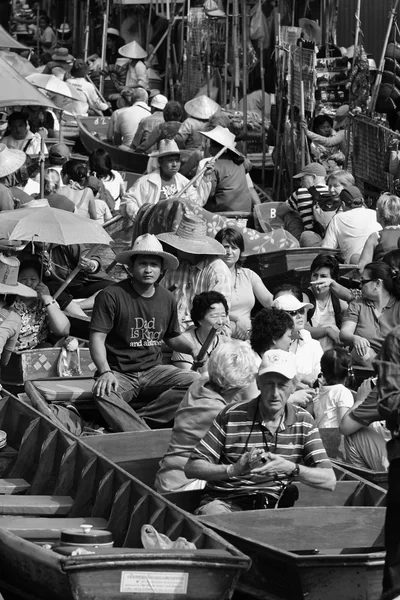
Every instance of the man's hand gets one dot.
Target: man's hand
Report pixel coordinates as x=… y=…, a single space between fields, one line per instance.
x=87 y=264
x=242 y=467
x=361 y=345
x=105 y=384
x=333 y=333
x=240 y=331
x=302 y=397
x=363 y=391
x=276 y=466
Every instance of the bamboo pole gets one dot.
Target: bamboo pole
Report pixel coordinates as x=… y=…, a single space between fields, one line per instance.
x=104 y=46
x=378 y=79
x=41 y=162
x=263 y=132
x=87 y=30
x=200 y=173
x=38 y=30
x=226 y=56
x=236 y=50
x=357 y=33
x=244 y=20
x=208 y=58
x=302 y=132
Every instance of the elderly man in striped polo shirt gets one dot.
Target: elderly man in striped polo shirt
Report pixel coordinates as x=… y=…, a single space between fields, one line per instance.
x=254 y=450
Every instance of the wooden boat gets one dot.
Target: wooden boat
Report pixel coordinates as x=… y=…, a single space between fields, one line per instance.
x=65 y=484
x=92 y=132
x=377 y=477
x=308 y=553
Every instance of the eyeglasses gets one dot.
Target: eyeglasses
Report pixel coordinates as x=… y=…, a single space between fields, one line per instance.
x=299 y=311
x=364 y=282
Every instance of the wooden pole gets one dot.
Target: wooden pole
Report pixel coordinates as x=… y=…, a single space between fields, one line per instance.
x=200 y=173
x=236 y=50
x=226 y=56
x=357 y=33
x=41 y=161
x=75 y=272
x=302 y=132
x=263 y=132
x=87 y=30
x=244 y=20
x=38 y=30
x=104 y=46
x=208 y=58
x=378 y=79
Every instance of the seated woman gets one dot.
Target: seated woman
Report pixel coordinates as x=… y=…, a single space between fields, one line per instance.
x=247 y=286
x=325 y=318
x=367 y=321
x=41 y=316
x=329 y=156
x=19 y=137
x=209 y=309
x=231 y=368
x=381 y=242
x=100 y=166
x=52 y=182
x=272 y=330
x=74 y=174
x=162 y=183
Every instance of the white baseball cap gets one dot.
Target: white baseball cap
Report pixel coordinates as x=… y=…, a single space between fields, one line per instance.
x=290 y=302
x=278 y=361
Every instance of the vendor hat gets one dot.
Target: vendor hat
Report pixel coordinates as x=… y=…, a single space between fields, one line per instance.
x=278 y=361
x=62 y=55
x=201 y=107
x=10 y=160
x=3 y=121
x=166 y=148
x=191 y=237
x=289 y=302
x=59 y=154
x=79 y=68
x=159 y=101
x=222 y=136
x=64 y=28
x=342 y=112
x=148 y=244
x=113 y=31
x=312 y=169
x=132 y=50
x=9 y=268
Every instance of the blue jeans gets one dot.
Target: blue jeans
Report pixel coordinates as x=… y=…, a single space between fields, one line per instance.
x=161 y=390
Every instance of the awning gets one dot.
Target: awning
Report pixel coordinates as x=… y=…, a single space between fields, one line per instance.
x=16 y=91
x=7 y=41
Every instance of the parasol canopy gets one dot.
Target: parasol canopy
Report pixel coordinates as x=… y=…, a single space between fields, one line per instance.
x=51 y=226
x=7 y=41
x=19 y=63
x=17 y=91
x=52 y=84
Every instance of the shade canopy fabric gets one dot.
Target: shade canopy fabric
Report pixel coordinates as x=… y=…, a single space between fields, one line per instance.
x=7 y=41
x=55 y=86
x=51 y=226
x=22 y=65
x=16 y=91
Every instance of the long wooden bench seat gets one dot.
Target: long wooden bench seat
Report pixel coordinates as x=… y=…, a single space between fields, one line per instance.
x=35 y=505
x=13 y=486
x=39 y=528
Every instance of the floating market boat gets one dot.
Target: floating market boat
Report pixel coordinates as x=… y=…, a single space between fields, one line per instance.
x=53 y=484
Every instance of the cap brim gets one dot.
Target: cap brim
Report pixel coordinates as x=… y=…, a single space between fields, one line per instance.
x=159 y=155
x=208 y=246
x=301 y=175
x=169 y=260
x=284 y=372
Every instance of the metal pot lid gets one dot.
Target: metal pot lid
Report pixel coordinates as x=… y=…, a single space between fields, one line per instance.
x=85 y=534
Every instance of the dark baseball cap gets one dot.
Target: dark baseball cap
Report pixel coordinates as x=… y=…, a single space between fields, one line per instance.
x=59 y=153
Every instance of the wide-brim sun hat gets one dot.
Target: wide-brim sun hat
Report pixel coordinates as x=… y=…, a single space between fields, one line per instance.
x=62 y=55
x=191 y=237
x=133 y=50
x=290 y=302
x=10 y=160
x=9 y=269
x=166 y=148
x=64 y=28
x=223 y=137
x=278 y=361
x=113 y=31
x=148 y=244
x=201 y=107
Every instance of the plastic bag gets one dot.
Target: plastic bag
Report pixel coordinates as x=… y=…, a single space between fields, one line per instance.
x=152 y=540
x=69 y=362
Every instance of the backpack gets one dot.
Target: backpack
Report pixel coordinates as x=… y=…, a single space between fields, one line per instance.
x=324 y=209
x=337 y=309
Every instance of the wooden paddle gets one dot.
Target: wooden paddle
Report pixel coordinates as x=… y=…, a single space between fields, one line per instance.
x=200 y=173
x=75 y=272
x=203 y=350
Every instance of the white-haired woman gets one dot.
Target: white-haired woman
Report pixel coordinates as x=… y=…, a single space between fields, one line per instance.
x=52 y=184
x=381 y=242
x=231 y=369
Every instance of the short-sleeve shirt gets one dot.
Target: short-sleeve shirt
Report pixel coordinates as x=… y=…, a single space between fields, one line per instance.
x=367 y=412
x=369 y=326
x=301 y=201
x=329 y=399
x=135 y=325
x=243 y=298
x=237 y=428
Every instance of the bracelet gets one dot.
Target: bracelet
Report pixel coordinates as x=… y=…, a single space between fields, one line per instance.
x=52 y=301
x=104 y=372
x=229 y=470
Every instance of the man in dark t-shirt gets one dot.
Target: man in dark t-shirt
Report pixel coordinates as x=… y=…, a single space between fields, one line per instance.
x=130 y=322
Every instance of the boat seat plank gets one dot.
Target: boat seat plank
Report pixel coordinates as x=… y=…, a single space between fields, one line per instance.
x=46 y=528
x=13 y=486
x=35 y=505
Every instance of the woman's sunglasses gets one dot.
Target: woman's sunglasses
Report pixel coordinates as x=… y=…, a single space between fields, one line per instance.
x=299 y=311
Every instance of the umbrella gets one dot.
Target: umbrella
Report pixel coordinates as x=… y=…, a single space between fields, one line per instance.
x=19 y=63
x=51 y=226
x=17 y=91
x=54 y=85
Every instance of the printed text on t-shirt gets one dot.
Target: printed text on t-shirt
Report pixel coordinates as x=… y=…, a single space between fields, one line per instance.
x=144 y=333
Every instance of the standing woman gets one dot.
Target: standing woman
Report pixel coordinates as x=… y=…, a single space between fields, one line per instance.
x=74 y=176
x=247 y=286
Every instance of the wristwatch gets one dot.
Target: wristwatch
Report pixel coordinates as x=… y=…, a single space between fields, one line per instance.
x=295 y=472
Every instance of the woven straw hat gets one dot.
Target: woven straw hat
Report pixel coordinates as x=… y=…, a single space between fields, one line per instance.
x=166 y=148
x=201 y=107
x=191 y=237
x=148 y=244
x=10 y=160
x=222 y=136
x=64 y=28
x=132 y=50
x=62 y=55
x=9 y=269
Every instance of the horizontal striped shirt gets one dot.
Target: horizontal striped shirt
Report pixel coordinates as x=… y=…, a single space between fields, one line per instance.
x=301 y=201
x=209 y=274
x=237 y=428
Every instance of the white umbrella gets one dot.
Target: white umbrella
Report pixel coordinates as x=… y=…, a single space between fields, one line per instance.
x=52 y=84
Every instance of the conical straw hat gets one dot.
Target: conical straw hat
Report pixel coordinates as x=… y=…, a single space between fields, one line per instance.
x=10 y=160
x=201 y=107
x=132 y=50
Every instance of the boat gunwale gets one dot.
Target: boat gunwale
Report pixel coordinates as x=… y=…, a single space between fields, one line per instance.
x=71 y=564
